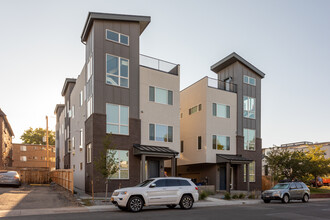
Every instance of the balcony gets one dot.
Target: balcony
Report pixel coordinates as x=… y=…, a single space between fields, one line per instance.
x=157 y=64
x=218 y=84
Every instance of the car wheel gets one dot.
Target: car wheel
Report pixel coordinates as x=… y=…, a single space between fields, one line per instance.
x=266 y=201
x=171 y=206
x=122 y=208
x=305 y=198
x=186 y=202
x=135 y=204
x=285 y=198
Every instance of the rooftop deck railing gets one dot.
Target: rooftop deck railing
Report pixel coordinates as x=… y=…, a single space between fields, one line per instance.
x=158 y=64
x=218 y=84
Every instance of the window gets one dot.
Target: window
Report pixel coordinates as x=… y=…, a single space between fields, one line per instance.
x=195 y=109
x=252 y=172
x=81 y=139
x=89 y=153
x=23 y=158
x=249 y=107
x=121 y=157
x=81 y=166
x=160 y=183
x=89 y=107
x=161 y=96
x=35 y=158
x=81 y=98
x=181 y=147
x=221 y=142
x=222 y=111
x=73 y=145
x=117 y=37
x=23 y=148
x=161 y=133
x=249 y=80
x=117 y=71
x=72 y=111
x=199 y=142
x=42 y=158
x=117 y=119
x=74 y=167
x=69 y=145
x=249 y=139
x=89 y=68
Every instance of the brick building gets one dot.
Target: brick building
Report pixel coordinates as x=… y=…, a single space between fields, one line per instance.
x=6 y=134
x=33 y=156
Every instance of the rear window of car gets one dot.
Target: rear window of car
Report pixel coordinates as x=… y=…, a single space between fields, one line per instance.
x=303 y=185
x=172 y=182
x=299 y=186
x=184 y=183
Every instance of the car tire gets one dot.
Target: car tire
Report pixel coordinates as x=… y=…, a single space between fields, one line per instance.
x=186 y=202
x=305 y=198
x=135 y=204
x=171 y=206
x=266 y=200
x=123 y=208
x=286 y=198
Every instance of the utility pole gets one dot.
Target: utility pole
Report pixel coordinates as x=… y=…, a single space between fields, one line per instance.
x=47 y=146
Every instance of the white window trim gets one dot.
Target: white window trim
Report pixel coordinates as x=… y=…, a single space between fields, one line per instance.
x=106 y=30
x=89 y=107
x=119 y=124
x=248 y=77
x=248 y=111
x=81 y=98
x=89 y=68
x=119 y=70
x=121 y=169
x=89 y=156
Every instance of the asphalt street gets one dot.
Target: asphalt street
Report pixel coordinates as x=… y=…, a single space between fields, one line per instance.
x=314 y=210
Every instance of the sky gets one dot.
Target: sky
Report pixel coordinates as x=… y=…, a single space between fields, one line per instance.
x=288 y=40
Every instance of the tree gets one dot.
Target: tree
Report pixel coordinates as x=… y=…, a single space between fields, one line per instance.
x=35 y=136
x=107 y=162
x=318 y=165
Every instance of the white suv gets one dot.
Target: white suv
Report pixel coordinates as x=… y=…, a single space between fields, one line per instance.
x=169 y=191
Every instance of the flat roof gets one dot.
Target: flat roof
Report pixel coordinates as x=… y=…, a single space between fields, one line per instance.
x=143 y=20
x=66 y=83
x=232 y=58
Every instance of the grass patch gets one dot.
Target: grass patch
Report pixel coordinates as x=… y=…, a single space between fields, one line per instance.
x=320 y=190
x=87 y=202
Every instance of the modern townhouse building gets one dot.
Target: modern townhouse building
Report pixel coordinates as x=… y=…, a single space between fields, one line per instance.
x=221 y=129
x=133 y=97
x=6 y=137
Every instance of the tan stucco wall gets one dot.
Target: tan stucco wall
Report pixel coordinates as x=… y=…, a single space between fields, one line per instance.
x=151 y=112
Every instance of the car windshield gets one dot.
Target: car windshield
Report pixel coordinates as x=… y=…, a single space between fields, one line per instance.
x=281 y=186
x=145 y=183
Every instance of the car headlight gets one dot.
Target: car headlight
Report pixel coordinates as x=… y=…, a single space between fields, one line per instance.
x=123 y=193
x=276 y=193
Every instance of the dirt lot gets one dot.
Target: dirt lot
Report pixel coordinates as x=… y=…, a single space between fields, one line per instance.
x=35 y=197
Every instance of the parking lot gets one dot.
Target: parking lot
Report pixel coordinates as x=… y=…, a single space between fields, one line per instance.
x=35 y=197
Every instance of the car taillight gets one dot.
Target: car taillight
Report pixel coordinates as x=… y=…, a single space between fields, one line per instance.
x=196 y=188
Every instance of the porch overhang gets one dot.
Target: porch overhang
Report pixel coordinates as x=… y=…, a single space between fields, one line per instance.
x=233 y=159
x=155 y=151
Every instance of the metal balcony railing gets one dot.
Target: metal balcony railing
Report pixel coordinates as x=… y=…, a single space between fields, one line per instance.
x=158 y=64
x=218 y=84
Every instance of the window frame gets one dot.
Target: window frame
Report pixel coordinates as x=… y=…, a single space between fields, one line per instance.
x=248 y=80
x=119 y=121
x=89 y=153
x=199 y=143
x=249 y=107
x=214 y=145
x=119 y=71
x=250 y=173
x=216 y=110
x=119 y=34
x=155 y=133
x=21 y=157
x=120 y=169
x=247 y=147
x=181 y=146
x=153 y=98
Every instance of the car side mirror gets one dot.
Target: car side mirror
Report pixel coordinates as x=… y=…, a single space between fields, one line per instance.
x=152 y=185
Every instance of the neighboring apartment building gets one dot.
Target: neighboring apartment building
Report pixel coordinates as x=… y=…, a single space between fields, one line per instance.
x=33 y=156
x=6 y=135
x=133 y=97
x=302 y=145
x=221 y=129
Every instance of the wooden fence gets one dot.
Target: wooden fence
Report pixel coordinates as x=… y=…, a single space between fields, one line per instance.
x=33 y=175
x=63 y=177
x=267 y=182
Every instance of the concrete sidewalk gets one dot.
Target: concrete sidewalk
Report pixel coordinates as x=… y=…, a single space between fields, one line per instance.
x=109 y=208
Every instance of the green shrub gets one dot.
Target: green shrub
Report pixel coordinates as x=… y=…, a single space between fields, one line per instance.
x=235 y=196
x=204 y=194
x=241 y=196
x=227 y=196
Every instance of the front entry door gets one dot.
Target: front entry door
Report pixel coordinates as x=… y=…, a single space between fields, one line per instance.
x=153 y=170
x=222 y=178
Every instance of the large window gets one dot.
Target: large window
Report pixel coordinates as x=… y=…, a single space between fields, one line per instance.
x=89 y=68
x=121 y=157
x=199 y=147
x=161 y=133
x=117 y=119
x=249 y=139
x=249 y=107
x=117 y=71
x=249 y=80
x=221 y=142
x=252 y=172
x=23 y=148
x=89 y=153
x=159 y=95
x=222 y=111
x=117 y=37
